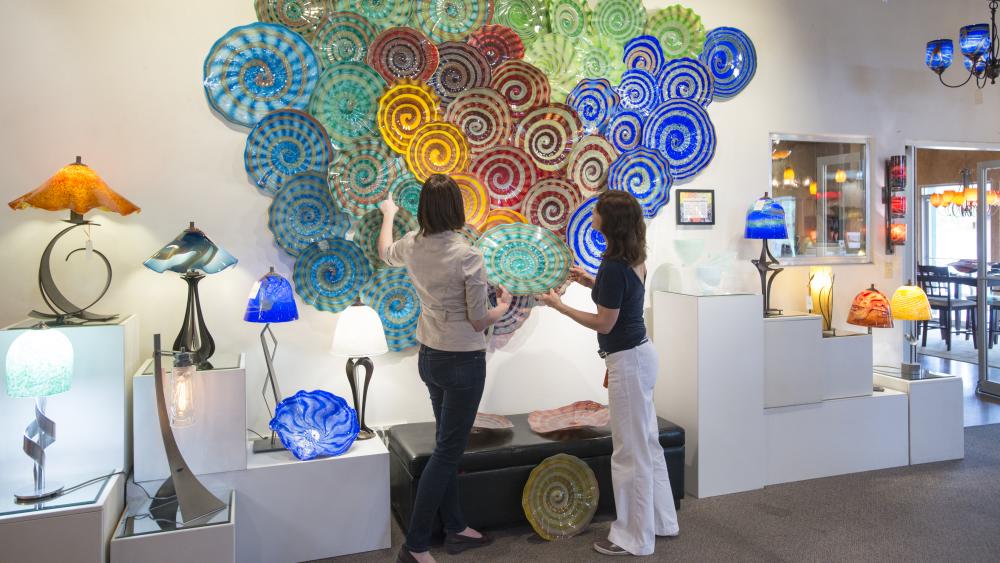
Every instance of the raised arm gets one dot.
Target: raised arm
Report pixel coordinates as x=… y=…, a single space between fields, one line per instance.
x=388 y=209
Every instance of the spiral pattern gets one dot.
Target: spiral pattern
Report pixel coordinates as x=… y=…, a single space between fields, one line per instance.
x=619 y=20
x=513 y=319
x=383 y=13
x=625 y=130
x=548 y=134
x=526 y=259
x=483 y=116
x=392 y=295
x=688 y=79
x=639 y=92
x=555 y=56
x=304 y=212
x=476 y=199
x=255 y=69
x=406 y=193
x=528 y=18
x=595 y=101
x=470 y=233
x=522 y=84
x=644 y=53
x=560 y=497
x=329 y=274
x=587 y=167
x=300 y=16
x=550 y=203
x=683 y=133
x=462 y=67
x=732 y=58
x=586 y=242
x=346 y=102
x=362 y=177
x=679 y=30
x=286 y=142
x=508 y=173
x=569 y=17
x=437 y=148
x=497 y=43
x=498 y=217
x=403 y=52
x=645 y=174
x=367 y=229
x=451 y=20
x=343 y=37
x=405 y=107
x=315 y=423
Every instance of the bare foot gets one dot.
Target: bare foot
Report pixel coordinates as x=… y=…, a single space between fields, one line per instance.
x=470 y=533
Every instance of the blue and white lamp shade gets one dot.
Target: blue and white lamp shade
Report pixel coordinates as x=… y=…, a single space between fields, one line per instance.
x=766 y=220
x=271 y=301
x=975 y=40
x=191 y=250
x=39 y=364
x=939 y=54
x=980 y=65
x=315 y=423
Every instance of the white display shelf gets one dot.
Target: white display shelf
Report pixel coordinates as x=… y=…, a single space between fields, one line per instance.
x=793 y=368
x=139 y=539
x=936 y=416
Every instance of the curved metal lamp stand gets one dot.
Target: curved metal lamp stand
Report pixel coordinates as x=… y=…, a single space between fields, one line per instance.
x=194 y=336
x=352 y=375
x=765 y=267
x=271 y=380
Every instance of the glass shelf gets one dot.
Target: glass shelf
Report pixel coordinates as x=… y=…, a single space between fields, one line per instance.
x=80 y=497
x=218 y=361
x=140 y=520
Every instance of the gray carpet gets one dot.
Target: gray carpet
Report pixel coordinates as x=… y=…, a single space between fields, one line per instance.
x=948 y=511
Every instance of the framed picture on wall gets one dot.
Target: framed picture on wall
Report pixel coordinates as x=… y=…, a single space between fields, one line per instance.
x=695 y=207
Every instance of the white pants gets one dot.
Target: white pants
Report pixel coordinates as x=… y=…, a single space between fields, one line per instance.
x=644 y=503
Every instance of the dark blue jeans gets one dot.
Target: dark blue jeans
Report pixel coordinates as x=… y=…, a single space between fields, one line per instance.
x=455 y=381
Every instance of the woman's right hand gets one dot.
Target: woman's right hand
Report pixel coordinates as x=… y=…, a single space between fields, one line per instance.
x=388 y=207
x=580 y=276
x=504 y=296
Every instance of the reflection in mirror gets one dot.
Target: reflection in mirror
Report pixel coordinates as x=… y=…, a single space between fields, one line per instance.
x=822 y=183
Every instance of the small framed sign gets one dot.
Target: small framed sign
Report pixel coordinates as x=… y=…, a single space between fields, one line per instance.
x=695 y=207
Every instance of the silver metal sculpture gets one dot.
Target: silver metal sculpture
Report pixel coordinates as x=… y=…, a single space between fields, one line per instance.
x=40 y=434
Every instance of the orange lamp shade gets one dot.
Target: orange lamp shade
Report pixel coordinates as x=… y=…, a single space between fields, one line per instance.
x=992 y=198
x=78 y=188
x=897 y=233
x=870 y=309
x=971 y=195
x=948 y=197
x=909 y=303
x=936 y=200
x=789 y=174
x=958 y=199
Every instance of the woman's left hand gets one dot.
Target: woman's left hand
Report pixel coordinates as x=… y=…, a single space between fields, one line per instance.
x=552 y=299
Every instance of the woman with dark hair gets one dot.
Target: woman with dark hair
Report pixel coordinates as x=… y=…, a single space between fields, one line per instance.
x=450 y=280
x=643 y=500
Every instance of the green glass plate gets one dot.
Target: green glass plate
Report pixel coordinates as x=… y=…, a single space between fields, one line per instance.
x=451 y=20
x=528 y=18
x=345 y=101
x=560 y=497
x=555 y=56
x=617 y=21
x=597 y=58
x=679 y=30
x=569 y=17
x=382 y=13
x=524 y=258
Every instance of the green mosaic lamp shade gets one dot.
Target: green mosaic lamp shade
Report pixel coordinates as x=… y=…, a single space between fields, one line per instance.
x=39 y=364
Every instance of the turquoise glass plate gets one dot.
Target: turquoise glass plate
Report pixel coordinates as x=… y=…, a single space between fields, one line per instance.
x=524 y=258
x=285 y=143
x=329 y=274
x=391 y=293
x=304 y=212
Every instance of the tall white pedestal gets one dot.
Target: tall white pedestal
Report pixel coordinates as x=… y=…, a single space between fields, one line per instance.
x=936 y=416
x=711 y=383
x=92 y=418
x=793 y=364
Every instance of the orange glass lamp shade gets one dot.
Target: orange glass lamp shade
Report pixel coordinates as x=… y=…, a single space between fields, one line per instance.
x=992 y=198
x=958 y=199
x=948 y=197
x=936 y=200
x=909 y=303
x=897 y=233
x=971 y=196
x=870 y=309
x=78 y=188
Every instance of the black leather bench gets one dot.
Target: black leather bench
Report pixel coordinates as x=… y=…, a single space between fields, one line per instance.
x=496 y=464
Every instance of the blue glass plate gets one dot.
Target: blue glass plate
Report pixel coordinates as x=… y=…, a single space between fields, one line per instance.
x=304 y=212
x=595 y=101
x=255 y=69
x=330 y=273
x=683 y=133
x=644 y=53
x=315 y=423
x=639 y=92
x=688 y=79
x=625 y=130
x=391 y=293
x=587 y=243
x=645 y=174
x=731 y=57
x=525 y=259
x=285 y=143
x=367 y=229
x=363 y=174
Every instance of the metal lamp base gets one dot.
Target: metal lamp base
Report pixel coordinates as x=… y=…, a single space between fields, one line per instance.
x=264 y=445
x=34 y=495
x=911 y=371
x=359 y=392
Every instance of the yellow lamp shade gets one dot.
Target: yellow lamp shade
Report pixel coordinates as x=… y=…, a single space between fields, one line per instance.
x=789 y=174
x=947 y=197
x=812 y=188
x=909 y=303
x=992 y=198
x=971 y=195
x=936 y=200
x=840 y=177
x=78 y=188
x=870 y=309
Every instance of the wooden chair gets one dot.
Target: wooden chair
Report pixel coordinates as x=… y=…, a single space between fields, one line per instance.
x=939 y=293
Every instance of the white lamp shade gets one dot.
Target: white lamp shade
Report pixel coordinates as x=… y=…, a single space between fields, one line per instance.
x=359 y=334
x=39 y=364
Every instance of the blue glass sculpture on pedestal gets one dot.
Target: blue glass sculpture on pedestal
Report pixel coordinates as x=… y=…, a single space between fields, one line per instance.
x=315 y=423
x=766 y=220
x=271 y=301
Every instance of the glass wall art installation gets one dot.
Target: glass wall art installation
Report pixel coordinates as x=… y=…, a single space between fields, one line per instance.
x=766 y=220
x=870 y=309
x=580 y=414
x=315 y=423
x=77 y=188
x=528 y=104
x=560 y=497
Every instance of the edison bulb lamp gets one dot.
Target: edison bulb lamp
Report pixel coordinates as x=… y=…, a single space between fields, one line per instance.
x=821 y=295
x=358 y=338
x=39 y=365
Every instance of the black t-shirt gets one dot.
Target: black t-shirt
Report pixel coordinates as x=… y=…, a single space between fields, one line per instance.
x=618 y=287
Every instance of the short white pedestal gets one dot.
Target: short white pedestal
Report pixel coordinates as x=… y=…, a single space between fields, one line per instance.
x=711 y=383
x=846 y=362
x=92 y=430
x=792 y=360
x=141 y=541
x=215 y=442
x=74 y=528
x=937 y=430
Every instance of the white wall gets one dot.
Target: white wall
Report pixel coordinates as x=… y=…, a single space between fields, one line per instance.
x=119 y=83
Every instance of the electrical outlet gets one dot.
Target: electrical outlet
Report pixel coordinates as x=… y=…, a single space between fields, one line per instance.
x=889 y=269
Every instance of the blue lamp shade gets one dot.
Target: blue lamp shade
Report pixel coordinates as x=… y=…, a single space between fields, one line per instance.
x=975 y=40
x=39 y=364
x=271 y=301
x=766 y=220
x=315 y=423
x=939 y=54
x=191 y=250
x=981 y=63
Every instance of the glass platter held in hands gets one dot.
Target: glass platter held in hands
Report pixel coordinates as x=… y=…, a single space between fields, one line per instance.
x=524 y=258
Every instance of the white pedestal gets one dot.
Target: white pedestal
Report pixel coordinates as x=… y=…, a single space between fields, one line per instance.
x=74 y=528
x=936 y=420
x=847 y=365
x=214 y=542
x=215 y=442
x=92 y=430
x=793 y=363
x=711 y=383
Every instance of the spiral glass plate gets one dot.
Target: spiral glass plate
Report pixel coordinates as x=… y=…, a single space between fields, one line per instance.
x=483 y=116
x=451 y=20
x=363 y=175
x=508 y=172
x=688 y=79
x=645 y=174
x=437 y=148
x=300 y=16
x=346 y=102
x=679 y=30
x=550 y=203
x=343 y=37
x=683 y=133
x=548 y=134
x=560 y=497
x=587 y=167
x=285 y=143
x=461 y=68
x=304 y=212
x=406 y=106
x=330 y=273
x=580 y=414
x=528 y=18
x=391 y=294
x=383 y=13
x=523 y=85
x=619 y=20
x=367 y=229
x=587 y=243
x=497 y=43
x=732 y=59
x=595 y=101
x=403 y=52
x=524 y=258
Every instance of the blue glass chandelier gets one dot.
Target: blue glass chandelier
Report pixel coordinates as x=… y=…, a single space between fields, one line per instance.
x=979 y=49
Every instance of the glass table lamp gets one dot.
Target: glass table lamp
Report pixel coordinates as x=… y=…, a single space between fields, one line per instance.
x=870 y=309
x=359 y=337
x=193 y=255
x=271 y=301
x=910 y=303
x=766 y=220
x=39 y=365
x=821 y=296
x=77 y=188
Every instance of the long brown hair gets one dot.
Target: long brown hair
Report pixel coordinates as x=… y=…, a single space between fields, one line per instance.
x=440 y=208
x=623 y=226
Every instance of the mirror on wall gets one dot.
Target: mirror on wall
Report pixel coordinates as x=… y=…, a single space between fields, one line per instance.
x=823 y=185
